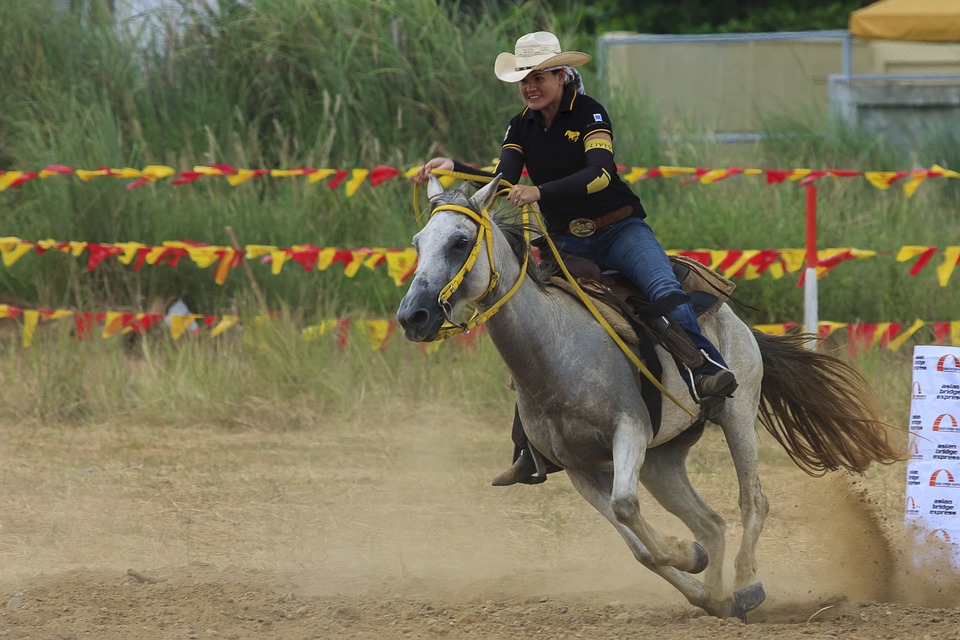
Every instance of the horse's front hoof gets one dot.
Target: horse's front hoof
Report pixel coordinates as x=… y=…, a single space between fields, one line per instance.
x=747 y=599
x=702 y=559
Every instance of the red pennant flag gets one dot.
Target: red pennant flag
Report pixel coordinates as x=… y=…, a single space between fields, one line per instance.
x=703 y=257
x=58 y=168
x=27 y=176
x=381 y=173
x=99 y=252
x=941 y=330
x=776 y=177
x=696 y=176
x=306 y=257
x=82 y=322
x=337 y=179
x=923 y=260
x=187 y=176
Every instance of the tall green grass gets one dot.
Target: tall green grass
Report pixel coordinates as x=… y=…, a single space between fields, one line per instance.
x=336 y=83
x=343 y=84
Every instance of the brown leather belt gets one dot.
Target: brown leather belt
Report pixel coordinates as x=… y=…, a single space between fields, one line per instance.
x=586 y=227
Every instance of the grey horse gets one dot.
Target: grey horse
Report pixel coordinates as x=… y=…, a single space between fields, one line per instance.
x=578 y=397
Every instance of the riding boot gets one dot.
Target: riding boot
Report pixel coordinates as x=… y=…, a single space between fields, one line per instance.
x=700 y=364
x=529 y=466
x=524 y=471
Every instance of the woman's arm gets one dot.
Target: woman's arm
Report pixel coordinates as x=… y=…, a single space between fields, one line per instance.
x=594 y=177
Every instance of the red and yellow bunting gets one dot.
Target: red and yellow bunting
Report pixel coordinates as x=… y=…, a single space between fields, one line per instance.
x=377 y=333
x=351 y=180
x=400 y=264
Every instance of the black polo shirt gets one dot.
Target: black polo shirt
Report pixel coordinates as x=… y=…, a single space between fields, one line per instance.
x=557 y=152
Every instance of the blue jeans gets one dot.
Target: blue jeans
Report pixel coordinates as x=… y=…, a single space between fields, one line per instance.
x=629 y=246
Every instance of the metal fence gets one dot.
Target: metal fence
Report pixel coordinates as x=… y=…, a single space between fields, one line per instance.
x=741 y=86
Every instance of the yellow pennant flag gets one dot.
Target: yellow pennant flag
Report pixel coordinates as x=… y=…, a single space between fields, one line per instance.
x=315 y=331
x=359 y=175
x=955 y=333
x=947 y=173
x=113 y=322
x=241 y=176
x=12 y=249
x=225 y=323
x=635 y=174
x=203 y=257
x=180 y=324
x=286 y=173
x=772 y=329
x=223 y=268
x=378 y=331
x=320 y=174
x=907 y=252
x=358 y=257
x=880 y=179
x=153 y=172
x=400 y=264
x=30 y=319
x=944 y=271
x=826 y=328
x=9 y=178
x=897 y=342
x=255 y=251
x=130 y=250
x=672 y=172
x=916 y=179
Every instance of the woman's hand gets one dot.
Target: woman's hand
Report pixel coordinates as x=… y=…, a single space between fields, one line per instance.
x=422 y=176
x=522 y=194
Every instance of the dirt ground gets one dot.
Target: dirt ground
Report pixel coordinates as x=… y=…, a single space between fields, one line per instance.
x=386 y=527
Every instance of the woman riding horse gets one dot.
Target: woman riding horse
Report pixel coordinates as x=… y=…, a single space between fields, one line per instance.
x=564 y=138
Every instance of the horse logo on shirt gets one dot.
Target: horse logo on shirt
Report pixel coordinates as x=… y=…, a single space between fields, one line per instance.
x=572 y=136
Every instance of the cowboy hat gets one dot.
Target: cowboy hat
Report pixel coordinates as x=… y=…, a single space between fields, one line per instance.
x=535 y=52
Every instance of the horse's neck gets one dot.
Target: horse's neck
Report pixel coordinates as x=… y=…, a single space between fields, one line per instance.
x=533 y=328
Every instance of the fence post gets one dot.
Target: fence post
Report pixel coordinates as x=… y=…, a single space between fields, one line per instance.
x=810 y=305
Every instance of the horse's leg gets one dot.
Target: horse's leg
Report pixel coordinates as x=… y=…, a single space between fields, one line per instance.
x=629 y=449
x=738 y=428
x=664 y=475
x=596 y=490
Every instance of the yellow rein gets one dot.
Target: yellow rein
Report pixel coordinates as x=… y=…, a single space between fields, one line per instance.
x=484 y=236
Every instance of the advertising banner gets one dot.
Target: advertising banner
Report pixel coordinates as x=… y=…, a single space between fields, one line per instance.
x=933 y=471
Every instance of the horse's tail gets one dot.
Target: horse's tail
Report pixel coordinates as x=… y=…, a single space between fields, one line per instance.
x=820 y=409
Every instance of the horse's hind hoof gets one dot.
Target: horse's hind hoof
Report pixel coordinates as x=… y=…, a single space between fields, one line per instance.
x=747 y=599
x=702 y=559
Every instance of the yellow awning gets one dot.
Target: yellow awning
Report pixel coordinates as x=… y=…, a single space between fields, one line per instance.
x=915 y=20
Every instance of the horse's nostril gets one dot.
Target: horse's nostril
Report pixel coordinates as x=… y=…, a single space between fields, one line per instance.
x=412 y=318
x=419 y=318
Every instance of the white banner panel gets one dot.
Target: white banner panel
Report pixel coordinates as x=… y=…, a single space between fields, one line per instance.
x=933 y=471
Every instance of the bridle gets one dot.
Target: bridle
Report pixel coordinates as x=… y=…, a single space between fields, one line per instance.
x=484 y=238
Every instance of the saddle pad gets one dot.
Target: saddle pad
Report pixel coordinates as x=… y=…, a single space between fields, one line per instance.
x=611 y=315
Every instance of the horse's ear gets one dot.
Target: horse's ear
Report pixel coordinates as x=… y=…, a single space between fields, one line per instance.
x=484 y=196
x=434 y=188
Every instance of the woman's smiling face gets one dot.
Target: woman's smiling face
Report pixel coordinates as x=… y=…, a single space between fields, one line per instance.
x=542 y=88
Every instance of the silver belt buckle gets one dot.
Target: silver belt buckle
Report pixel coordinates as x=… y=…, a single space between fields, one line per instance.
x=582 y=227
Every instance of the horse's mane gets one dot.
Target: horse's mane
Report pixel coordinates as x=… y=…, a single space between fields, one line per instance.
x=516 y=233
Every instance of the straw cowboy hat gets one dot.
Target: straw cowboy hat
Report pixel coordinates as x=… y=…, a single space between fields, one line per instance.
x=535 y=52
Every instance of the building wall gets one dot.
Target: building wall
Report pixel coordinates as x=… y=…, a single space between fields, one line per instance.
x=747 y=83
